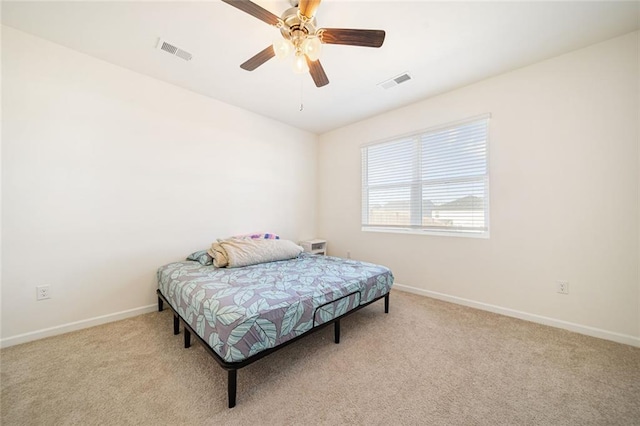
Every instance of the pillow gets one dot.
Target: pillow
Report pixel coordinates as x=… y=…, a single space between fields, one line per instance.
x=234 y=253
x=258 y=236
x=201 y=256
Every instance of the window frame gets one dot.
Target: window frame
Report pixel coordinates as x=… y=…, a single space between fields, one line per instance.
x=417 y=183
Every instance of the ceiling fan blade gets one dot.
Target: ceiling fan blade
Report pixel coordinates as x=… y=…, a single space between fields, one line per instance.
x=259 y=59
x=317 y=72
x=352 y=37
x=254 y=10
x=308 y=7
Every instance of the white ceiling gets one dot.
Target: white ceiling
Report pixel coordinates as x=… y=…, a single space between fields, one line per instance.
x=443 y=45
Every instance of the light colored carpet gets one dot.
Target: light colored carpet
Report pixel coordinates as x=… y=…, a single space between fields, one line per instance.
x=426 y=362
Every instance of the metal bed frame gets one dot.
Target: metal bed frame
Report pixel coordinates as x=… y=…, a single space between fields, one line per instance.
x=233 y=367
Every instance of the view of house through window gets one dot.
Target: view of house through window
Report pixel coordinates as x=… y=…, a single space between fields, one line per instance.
x=435 y=180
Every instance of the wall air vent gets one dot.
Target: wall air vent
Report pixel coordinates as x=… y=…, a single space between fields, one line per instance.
x=392 y=82
x=175 y=51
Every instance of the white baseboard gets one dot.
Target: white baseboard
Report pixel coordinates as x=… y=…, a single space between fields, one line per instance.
x=73 y=326
x=578 y=328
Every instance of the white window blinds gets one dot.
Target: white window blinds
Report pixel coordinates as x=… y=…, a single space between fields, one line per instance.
x=436 y=180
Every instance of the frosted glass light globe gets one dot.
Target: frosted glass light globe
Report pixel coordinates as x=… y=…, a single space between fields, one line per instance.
x=282 y=47
x=300 y=64
x=312 y=47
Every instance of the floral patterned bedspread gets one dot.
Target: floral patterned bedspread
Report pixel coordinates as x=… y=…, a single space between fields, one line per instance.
x=243 y=311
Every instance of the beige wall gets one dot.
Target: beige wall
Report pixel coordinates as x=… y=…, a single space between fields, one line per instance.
x=108 y=174
x=564 y=195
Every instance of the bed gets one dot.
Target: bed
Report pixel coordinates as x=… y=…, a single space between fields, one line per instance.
x=242 y=314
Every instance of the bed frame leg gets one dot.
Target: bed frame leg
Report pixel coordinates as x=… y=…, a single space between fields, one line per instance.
x=187 y=338
x=176 y=325
x=231 y=387
x=336 y=329
x=160 y=304
x=386 y=303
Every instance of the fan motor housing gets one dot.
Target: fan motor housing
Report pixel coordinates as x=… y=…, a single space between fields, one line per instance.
x=293 y=25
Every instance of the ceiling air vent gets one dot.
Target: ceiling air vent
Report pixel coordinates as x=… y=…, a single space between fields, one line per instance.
x=175 y=51
x=392 y=82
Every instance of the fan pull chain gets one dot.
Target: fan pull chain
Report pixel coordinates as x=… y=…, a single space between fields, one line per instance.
x=301 y=103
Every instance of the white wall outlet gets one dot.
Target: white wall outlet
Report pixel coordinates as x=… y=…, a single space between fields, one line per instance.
x=348 y=255
x=43 y=292
x=562 y=286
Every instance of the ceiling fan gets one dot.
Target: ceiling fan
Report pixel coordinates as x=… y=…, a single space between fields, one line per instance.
x=301 y=36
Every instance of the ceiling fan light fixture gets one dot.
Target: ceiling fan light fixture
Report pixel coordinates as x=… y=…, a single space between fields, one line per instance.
x=282 y=47
x=301 y=34
x=312 y=47
x=300 y=64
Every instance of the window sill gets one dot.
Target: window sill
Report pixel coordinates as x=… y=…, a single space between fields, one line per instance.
x=481 y=235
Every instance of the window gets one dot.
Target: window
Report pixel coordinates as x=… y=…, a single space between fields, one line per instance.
x=434 y=181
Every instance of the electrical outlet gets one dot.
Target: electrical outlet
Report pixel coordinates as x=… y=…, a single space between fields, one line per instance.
x=563 y=286
x=348 y=255
x=43 y=292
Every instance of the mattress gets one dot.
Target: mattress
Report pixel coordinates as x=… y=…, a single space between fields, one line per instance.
x=240 y=312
